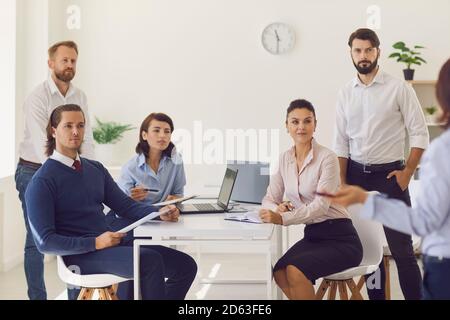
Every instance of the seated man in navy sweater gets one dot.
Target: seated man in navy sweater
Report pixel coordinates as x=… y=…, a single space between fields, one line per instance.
x=65 y=201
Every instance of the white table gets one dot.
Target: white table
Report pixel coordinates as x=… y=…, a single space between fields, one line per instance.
x=195 y=229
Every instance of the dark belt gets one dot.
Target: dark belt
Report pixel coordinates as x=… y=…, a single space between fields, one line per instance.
x=374 y=168
x=30 y=164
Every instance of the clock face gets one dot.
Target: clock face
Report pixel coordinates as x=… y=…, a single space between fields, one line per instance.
x=278 y=38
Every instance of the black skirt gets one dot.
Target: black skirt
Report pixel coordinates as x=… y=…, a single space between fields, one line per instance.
x=327 y=247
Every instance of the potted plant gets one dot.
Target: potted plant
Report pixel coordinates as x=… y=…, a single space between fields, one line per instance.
x=409 y=57
x=431 y=114
x=106 y=134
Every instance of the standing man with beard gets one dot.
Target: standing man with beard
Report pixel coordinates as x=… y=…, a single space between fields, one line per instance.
x=375 y=114
x=38 y=106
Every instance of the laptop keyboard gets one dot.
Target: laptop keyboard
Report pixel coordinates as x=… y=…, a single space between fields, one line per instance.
x=205 y=207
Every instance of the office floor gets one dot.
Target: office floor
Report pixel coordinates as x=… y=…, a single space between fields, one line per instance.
x=214 y=266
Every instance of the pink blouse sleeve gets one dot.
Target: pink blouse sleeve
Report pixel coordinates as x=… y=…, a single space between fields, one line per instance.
x=275 y=191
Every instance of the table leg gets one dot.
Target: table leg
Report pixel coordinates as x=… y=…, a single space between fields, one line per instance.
x=269 y=273
x=136 y=263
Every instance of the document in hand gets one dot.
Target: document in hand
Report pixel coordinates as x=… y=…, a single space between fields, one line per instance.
x=250 y=217
x=136 y=224
x=166 y=203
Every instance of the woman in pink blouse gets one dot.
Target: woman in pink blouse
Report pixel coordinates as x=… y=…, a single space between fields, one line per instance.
x=331 y=243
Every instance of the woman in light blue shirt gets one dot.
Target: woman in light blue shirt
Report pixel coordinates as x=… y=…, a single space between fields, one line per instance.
x=156 y=173
x=431 y=218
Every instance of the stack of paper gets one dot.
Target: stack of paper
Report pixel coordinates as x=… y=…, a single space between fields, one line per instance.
x=250 y=217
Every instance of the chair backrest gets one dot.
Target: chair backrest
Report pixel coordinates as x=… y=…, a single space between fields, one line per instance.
x=370 y=233
x=65 y=274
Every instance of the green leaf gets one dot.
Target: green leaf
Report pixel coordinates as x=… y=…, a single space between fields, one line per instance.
x=393 y=55
x=404 y=56
x=109 y=132
x=420 y=59
x=399 y=45
x=419 y=47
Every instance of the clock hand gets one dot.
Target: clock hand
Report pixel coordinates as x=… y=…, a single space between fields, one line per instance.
x=278 y=41
x=278 y=37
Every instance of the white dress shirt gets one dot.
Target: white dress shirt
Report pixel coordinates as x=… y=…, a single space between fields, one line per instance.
x=372 y=121
x=38 y=107
x=65 y=160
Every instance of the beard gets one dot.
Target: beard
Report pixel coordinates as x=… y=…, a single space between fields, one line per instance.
x=368 y=69
x=66 y=75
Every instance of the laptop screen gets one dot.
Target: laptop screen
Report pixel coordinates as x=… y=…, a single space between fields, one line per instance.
x=227 y=188
x=252 y=182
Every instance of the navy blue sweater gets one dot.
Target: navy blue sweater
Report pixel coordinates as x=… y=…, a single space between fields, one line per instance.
x=65 y=208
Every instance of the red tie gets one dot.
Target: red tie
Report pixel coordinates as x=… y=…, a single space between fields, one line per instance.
x=77 y=165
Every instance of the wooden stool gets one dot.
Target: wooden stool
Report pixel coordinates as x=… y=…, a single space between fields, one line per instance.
x=106 y=293
x=333 y=285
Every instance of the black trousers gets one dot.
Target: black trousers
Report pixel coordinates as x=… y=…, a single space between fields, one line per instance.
x=400 y=244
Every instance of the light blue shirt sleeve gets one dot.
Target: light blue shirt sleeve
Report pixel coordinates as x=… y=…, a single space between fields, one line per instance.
x=126 y=181
x=179 y=181
x=431 y=215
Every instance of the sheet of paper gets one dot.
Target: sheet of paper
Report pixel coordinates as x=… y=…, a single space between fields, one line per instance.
x=148 y=217
x=251 y=217
x=166 y=203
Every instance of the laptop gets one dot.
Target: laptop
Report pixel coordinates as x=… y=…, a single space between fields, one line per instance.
x=252 y=182
x=222 y=202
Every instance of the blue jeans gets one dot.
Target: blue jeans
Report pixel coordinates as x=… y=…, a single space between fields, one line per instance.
x=33 y=259
x=436 y=279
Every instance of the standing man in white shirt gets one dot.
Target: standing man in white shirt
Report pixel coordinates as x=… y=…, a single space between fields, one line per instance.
x=56 y=91
x=375 y=114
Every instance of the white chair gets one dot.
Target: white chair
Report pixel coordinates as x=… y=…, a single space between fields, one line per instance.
x=370 y=233
x=105 y=284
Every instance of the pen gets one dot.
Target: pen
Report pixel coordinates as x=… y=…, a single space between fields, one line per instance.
x=148 y=189
x=288 y=205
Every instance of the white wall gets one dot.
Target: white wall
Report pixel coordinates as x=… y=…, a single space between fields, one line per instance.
x=12 y=237
x=32 y=45
x=7 y=119
x=7 y=84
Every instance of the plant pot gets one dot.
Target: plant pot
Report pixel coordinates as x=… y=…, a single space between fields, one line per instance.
x=430 y=118
x=105 y=154
x=409 y=74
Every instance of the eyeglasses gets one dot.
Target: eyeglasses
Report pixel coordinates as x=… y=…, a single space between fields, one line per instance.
x=370 y=50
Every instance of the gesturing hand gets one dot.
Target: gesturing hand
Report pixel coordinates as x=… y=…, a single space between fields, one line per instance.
x=348 y=195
